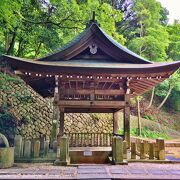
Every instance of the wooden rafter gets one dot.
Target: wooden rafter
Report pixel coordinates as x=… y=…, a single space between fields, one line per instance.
x=90 y=91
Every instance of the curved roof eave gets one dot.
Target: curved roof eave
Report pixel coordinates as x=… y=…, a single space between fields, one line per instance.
x=65 y=66
x=123 y=48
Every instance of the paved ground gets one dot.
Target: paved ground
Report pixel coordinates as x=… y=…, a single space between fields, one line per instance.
x=130 y=171
x=173 y=153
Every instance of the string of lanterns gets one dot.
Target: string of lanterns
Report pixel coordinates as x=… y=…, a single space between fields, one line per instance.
x=91 y=77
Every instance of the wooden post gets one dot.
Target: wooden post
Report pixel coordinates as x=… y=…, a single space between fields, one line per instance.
x=61 y=127
x=119 y=150
x=124 y=150
x=55 y=118
x=127 y=121
x=161 y=148
x=139 y=116
x=146 y=147
x=113 y=149
x=133 y=150
x=115 y=123
x=64 y=152
x=61 y=131
x=142 y=150
x=151 y=150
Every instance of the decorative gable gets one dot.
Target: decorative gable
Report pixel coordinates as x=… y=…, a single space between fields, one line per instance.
x=94 y=42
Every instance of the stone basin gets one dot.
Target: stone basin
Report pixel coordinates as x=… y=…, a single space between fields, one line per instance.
x=6 y=154
x=6 y=157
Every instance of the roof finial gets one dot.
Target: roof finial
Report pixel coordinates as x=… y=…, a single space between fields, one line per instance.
x=94 y=15
x=93 y=20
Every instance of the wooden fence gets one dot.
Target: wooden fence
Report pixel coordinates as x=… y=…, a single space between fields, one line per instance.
x=89 y=139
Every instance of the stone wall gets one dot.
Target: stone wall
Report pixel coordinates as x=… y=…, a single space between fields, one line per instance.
x=34 y=113
x=88 y=123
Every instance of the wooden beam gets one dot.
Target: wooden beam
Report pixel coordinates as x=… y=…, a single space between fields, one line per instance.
x=90 y=91
x=91 y=104
x=137 y=87
x=104 y=85
x=94 y=78
x=91 y=110
x=110 y=85
x=147 y=81
x=70 y=84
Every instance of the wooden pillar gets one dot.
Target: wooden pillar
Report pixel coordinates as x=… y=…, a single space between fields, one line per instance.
x=55 y=118
x=115 y=123
x=127 y=120
x=139 y=116
x=61 y=119
x=161 y=148
x=142 y=150
x=151 y=150
x=133 y=150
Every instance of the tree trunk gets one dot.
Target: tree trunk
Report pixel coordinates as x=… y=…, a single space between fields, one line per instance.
x=20 y=48
x=6 y=41
x=38 y=49
x=152 y=97
x=11 y=45
x=167 y=95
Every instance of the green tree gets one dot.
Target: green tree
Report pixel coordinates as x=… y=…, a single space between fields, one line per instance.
x=173 y=50
x=151 y=39
x=153 y=45
x=34 y=28
x=166 y=87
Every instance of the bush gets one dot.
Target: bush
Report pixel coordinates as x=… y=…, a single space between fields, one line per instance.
x=8 y=123
x=146 y=133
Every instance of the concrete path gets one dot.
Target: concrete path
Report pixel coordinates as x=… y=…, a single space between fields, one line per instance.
x=130 y=171
x=173 y=153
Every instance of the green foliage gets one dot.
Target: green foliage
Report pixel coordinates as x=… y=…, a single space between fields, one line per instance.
x=149 y=118
x=146 y=133
x=34 y=28
x=8 y=125
x=174 y=100
x=148 y=12
x=174 y=45
x=163 y=88
x=153 y=45
x=151 y=38
x=6 y=85
x=6 y=79
x=26 y=98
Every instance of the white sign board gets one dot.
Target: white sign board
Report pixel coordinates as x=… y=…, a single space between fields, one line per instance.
x=87 y=152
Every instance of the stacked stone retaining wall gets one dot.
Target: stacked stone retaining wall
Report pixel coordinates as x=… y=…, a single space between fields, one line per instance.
x=34 y=113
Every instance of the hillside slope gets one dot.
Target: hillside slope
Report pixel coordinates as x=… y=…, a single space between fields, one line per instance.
x=151 y=125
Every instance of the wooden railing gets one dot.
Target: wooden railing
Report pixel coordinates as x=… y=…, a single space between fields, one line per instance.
x=89 y=139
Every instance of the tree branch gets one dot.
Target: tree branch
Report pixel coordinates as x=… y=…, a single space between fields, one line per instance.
x=59 y=24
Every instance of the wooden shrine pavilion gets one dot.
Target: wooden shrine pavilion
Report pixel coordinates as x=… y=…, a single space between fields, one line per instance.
x=93 y=73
